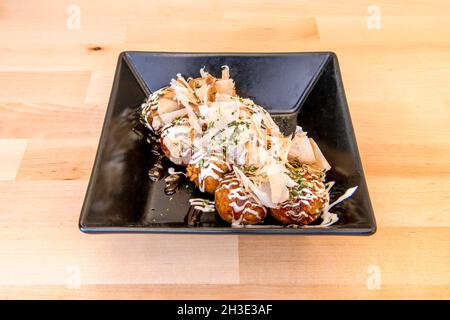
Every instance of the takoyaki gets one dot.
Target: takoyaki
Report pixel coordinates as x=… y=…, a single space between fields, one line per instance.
x=177 y=141
x=306 y=199
x=207 y=172
x=235 y=205
x=160 y=109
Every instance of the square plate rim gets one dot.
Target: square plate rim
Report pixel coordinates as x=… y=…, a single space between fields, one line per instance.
x=367 y=230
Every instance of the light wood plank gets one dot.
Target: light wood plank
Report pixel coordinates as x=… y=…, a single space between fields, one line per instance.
x=43 y=120
x=414 y=201
x=11 y=153
x=58 y=159
x=43 y=87
x=406 y=29
x=206 y=292
x=55 y=84
x=274 y=10
x=399 y=253
x=99 y=89
x=44 y=22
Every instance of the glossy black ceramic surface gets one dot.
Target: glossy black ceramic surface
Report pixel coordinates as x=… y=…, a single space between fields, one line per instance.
x=296 y=88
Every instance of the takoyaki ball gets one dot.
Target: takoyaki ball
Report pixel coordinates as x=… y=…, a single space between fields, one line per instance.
x=235 y=205
x=207 y=174
x=306 y=200
x=159 y=103
x=177 y=141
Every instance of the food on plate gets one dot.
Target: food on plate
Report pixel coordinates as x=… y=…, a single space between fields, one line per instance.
x=207 y=173
x=306 y=199
x=235 y=205
x=176 y=140
x=230 y=146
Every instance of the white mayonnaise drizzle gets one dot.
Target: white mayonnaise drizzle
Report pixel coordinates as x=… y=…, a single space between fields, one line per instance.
x=330 y=218
x=203 y=205
x=172 y=171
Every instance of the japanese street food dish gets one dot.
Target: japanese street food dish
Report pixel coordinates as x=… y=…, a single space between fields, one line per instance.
x=235 y=205
x=306 y=199
x=231 y=148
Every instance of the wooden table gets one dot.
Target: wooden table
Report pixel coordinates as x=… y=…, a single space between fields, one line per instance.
x=55 y=80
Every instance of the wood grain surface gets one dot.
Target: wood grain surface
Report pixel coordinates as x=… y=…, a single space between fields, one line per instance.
x=55 y=80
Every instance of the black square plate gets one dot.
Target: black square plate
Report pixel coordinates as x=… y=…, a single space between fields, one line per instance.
x=296 y=88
